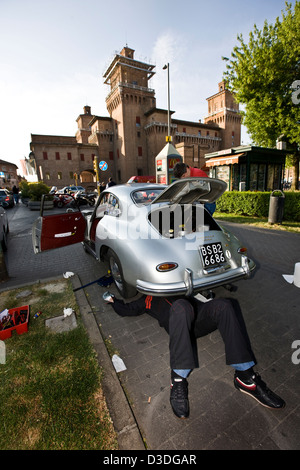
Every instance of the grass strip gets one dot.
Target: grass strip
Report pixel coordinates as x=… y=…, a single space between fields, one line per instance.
x=261 y=222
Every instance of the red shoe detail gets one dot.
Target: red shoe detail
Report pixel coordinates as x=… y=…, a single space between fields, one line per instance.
x=248 y=387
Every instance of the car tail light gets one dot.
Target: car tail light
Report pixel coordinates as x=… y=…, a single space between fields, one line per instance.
x=7 y=198
x=242 y=250
x=163 y=267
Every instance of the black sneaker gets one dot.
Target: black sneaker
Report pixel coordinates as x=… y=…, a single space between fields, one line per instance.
x=179 y=396
x=257 y=389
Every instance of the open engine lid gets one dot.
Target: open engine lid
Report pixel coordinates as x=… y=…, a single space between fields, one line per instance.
x=189 y=190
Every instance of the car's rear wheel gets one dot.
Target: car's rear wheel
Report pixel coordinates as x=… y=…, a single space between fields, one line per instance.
x=116 y=270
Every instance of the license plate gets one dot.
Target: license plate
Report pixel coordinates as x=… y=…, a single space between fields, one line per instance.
x=212 y=254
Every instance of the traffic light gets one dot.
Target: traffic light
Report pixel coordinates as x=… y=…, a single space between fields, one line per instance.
x=95 y=163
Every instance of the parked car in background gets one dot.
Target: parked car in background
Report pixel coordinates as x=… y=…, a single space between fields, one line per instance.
x=6 y=198
x=71 y=189
x=4 y=228
x=157 y=239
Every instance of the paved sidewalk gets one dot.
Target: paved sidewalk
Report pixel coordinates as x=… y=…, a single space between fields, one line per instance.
x=221 y=417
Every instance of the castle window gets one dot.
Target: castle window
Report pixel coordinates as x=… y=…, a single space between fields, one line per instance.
x=140 y=151
x=59 y=175
x=69 y=155
x=82 y=157
x=45 y=156
x=57 y=156
x=138 y=121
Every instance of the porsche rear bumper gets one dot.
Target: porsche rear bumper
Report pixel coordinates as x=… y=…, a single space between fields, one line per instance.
x=191 y=286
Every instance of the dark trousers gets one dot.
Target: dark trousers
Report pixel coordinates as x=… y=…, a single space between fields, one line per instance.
x=188 y=322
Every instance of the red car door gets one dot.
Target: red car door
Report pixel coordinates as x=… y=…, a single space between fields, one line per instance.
x=58 y=230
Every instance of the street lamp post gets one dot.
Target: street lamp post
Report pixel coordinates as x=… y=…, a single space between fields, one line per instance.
x=169 y=138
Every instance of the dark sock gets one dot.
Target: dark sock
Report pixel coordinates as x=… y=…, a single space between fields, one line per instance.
x=245 y=374
x=174 y=375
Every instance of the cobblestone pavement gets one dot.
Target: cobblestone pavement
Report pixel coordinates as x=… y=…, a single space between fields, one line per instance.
x=220 y=417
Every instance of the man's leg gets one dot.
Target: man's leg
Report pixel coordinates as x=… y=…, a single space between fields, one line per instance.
x=226 y=315
x=183 y=354
x=182 y=342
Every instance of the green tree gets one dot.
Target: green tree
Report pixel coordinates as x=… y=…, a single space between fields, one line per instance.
x=264 y=74
x=34 y=191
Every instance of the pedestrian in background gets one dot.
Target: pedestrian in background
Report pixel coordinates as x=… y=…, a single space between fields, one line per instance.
x=102 y=186
x=110 y=182
x=15 y=191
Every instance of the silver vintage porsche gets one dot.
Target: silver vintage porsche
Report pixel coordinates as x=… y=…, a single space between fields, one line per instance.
x=157 y=239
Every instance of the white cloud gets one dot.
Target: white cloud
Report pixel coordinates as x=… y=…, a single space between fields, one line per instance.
x=168 y=48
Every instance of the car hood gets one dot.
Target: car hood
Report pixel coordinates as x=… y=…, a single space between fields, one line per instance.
x=189 y=190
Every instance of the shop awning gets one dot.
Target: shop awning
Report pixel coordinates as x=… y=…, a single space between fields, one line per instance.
x=226 y=160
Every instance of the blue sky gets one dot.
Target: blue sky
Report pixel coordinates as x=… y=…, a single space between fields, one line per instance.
x=53 y=54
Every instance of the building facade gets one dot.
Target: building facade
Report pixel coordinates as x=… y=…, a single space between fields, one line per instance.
x=135 y=131
x=8 y=174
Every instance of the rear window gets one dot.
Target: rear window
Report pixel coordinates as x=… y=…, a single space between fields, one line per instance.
x=145 y=196
x=3 y=193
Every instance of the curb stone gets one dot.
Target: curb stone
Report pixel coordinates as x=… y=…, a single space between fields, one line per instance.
x=128 y=434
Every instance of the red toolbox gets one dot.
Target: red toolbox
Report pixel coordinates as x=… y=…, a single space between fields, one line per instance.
x=16 y=319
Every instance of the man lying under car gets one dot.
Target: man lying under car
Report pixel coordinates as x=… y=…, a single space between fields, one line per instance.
x=187 y=318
